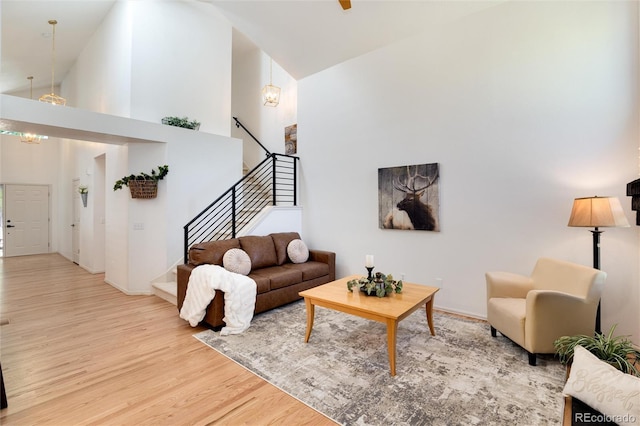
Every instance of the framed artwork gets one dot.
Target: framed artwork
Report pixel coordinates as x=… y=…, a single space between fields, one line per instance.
x=409 y=197
x=291 y=139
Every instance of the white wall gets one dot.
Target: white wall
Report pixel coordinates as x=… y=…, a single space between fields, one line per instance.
x=267 y=124
x=277 y=219
x=149 y=60
x=524 y=106
x=100 y=80
x=181 y=63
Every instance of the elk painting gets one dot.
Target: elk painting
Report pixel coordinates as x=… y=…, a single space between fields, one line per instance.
x=409 y=197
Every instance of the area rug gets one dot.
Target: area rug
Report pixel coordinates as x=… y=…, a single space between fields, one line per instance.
x=460 y=376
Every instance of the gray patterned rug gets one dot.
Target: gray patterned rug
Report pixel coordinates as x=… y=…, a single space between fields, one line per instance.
x=461 y=376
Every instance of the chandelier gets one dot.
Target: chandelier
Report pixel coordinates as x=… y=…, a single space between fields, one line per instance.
x=270 y=93
x=52 y=98
x=30 y=137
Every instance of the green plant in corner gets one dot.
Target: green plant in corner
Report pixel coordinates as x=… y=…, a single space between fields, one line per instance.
x=156 y=176
x=617 y=351
x=83 y=189
x=181 y=122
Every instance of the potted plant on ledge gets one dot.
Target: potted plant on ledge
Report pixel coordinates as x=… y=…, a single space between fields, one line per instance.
x=181 y=122
x=143 y=185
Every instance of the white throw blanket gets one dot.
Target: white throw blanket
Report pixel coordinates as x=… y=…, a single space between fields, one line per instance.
x=239 y=297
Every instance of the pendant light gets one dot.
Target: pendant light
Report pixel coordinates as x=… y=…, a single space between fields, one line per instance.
x=52 y=98
x=30 y=137
x=270 y=93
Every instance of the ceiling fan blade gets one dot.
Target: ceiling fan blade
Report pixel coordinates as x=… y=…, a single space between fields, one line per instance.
x=346 y=4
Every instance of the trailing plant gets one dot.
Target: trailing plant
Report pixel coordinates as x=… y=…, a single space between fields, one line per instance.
x=381 y=286
x=181 y=122
x=156 y=176
x=617 y=351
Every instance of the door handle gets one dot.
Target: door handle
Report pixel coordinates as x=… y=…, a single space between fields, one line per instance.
x=72 y=225
x=10 y=226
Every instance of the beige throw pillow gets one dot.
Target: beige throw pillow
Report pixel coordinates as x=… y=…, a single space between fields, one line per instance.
x=237 y=260
x=603 y=387
x=298 y=251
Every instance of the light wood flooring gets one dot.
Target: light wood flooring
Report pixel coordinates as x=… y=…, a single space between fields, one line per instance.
x=78 y=351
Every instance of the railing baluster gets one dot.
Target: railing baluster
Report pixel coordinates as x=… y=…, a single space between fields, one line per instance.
x=273 y=179
x=233 y=212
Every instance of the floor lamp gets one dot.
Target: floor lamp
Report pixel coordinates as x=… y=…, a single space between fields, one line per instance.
x=597 y=212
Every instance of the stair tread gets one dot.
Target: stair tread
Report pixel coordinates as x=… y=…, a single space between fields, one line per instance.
x=168 y=287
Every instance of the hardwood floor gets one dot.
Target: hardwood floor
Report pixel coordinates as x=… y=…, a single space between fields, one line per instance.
x=78 y=351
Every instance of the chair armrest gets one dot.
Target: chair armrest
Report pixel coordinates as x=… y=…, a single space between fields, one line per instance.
x=551 y=314
x=507 y=284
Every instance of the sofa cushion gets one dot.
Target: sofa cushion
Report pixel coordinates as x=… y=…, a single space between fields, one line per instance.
x=263 y=283
x=281 y=241
x=260 y=249
x=237 y=260
x=310 y=270
x=603 y=387
x=279 y=276
x=298 y=251
x=211 y=252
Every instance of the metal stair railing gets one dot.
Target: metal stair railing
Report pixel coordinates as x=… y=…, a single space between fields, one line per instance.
x=270 y=183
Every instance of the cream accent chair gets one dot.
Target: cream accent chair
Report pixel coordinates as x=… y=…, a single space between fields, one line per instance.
x=558 y=299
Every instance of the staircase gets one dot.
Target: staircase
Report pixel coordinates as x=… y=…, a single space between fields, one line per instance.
x=271 y=183
x=251 y=199
x=167 y=290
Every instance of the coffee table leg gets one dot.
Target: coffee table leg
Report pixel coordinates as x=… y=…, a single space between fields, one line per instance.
x=392 y=328
x=310 y=314
x=429 y=308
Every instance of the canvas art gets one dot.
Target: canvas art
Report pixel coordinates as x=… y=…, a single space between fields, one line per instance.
x=291 y=139
x=409 y=197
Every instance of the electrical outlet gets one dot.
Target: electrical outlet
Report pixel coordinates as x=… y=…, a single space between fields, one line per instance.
x=137 y=226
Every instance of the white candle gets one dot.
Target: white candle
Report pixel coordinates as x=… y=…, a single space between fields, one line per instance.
x=369 y=261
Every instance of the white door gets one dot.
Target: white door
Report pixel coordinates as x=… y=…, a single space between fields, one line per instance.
x=26 y=220
x=75 y=225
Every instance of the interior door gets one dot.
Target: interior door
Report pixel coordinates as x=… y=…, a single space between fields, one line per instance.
x=26 y=219
x=75 y=225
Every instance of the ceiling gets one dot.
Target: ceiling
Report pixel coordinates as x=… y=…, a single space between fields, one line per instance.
x=302 y=36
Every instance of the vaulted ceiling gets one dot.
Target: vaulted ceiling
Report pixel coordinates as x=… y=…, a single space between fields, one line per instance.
x=302 y=36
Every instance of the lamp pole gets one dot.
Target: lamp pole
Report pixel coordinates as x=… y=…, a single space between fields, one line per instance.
x=596 y=265
x=597 y=212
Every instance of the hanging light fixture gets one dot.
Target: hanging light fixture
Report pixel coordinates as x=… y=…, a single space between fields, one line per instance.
x=270 y=93
x=30 y=137
x=52 y=98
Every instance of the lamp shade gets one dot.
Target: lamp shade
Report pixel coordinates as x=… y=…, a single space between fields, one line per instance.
x=597 y=212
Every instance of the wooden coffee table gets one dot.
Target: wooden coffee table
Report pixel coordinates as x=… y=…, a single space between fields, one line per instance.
x=389 y=310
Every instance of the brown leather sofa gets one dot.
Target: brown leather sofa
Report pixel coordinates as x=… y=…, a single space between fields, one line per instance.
x=278 y=280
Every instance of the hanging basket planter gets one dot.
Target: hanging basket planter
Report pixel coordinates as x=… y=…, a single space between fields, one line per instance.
x=143 y=185
x=143 y=188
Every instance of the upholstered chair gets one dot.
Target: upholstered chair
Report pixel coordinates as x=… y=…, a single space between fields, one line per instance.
x=558 y=299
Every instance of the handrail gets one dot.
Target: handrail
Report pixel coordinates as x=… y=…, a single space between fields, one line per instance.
x=239 y=124
x=272 y=182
